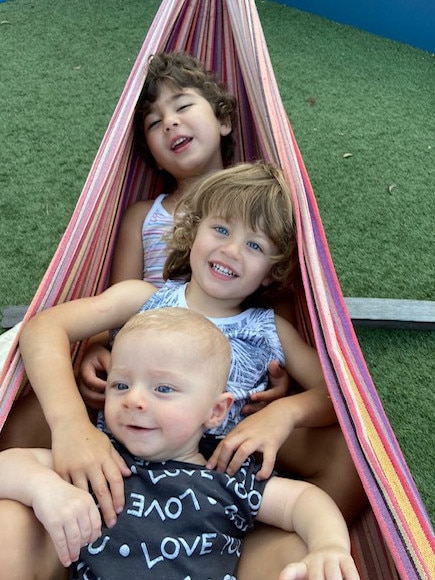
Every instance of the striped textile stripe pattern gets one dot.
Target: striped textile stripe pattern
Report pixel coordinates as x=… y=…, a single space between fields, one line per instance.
x=394 y=538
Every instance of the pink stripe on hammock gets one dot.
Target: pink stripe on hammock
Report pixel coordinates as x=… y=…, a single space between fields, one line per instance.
x=227 y=35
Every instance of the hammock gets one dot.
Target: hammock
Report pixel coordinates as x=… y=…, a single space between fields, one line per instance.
x=394 y=537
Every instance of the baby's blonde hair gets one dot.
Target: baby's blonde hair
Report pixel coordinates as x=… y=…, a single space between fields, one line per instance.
x=209 y=341
x=256 y=193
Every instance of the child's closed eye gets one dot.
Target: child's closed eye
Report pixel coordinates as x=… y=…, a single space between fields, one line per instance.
x=185 y=106
x=152 y=124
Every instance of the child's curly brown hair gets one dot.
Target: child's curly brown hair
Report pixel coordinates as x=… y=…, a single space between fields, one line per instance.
x=183 y=71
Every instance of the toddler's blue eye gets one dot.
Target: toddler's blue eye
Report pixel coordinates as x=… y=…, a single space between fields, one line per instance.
x=221 y=230
x=164 y=389
x=254 y=245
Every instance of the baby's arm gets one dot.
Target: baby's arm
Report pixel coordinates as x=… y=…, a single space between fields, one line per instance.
x=297 y=506
x=267 y=430
x=81 y=453
x=69 y=514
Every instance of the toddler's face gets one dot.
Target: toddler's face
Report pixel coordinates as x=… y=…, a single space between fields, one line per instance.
x=183 y=133
x=230 y=261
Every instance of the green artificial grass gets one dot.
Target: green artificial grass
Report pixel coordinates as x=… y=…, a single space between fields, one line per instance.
x=350 y=92
x=362 y=109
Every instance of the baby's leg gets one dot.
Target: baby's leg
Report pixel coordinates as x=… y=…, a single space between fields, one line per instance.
x=266 y=551
x=26 y=551
x=321 y=456
x=26 y=425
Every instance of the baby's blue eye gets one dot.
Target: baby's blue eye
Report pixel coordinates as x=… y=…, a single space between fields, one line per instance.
x=164 y=389
x=222 y=230
x=254 y=246
x=121 y=386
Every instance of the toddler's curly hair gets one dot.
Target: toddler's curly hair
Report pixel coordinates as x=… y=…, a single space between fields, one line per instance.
x=183 y=71
x=256 y=193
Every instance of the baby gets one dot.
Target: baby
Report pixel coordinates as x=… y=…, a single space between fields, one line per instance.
x=166 y=387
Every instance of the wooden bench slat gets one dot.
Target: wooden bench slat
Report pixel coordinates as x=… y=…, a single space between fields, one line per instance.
x=366 y=312
x=392 y=313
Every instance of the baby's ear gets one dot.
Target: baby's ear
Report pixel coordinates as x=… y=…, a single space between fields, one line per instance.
x=219 y=410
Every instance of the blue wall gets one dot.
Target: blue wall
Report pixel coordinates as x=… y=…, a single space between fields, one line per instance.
x=409 y=21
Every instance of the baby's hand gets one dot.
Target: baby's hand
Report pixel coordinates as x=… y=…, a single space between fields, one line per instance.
x=84 y=455
x=70 y=516
x=92 y=374
x=330 y=564
x=264 y=432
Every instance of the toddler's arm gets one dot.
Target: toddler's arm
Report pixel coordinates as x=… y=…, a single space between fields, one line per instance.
x=81 y=453
x=268 y=429
x=69 y=514
x=300 y=507
x=127 y=264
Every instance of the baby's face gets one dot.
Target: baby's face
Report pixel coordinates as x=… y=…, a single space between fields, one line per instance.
x=159 y=395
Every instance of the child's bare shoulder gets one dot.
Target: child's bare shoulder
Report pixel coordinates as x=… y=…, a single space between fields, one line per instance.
x=138 y=211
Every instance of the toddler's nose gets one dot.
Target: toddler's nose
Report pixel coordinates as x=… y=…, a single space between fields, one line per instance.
x=170 y=122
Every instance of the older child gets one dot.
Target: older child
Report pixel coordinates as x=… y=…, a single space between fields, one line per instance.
x=166 y=386
x=184 y=126
x=318 y=455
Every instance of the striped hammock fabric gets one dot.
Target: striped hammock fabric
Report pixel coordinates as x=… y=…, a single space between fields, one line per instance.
x=394 y=538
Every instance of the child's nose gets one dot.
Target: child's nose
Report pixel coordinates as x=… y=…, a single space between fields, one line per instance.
x=233 y=248
x=136 y=399
x=170 y=121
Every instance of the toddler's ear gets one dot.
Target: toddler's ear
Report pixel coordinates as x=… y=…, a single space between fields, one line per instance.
x=225 y=127
x=219 y=410
x=267 y=281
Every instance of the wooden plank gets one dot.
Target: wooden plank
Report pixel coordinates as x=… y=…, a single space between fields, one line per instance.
x=391 y=313
x=365 y=312
x=12 y=315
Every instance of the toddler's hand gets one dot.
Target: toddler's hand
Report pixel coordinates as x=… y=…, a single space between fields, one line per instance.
x=279 y=386
x=84 y=455
x=264 y=432
x=92 y=376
